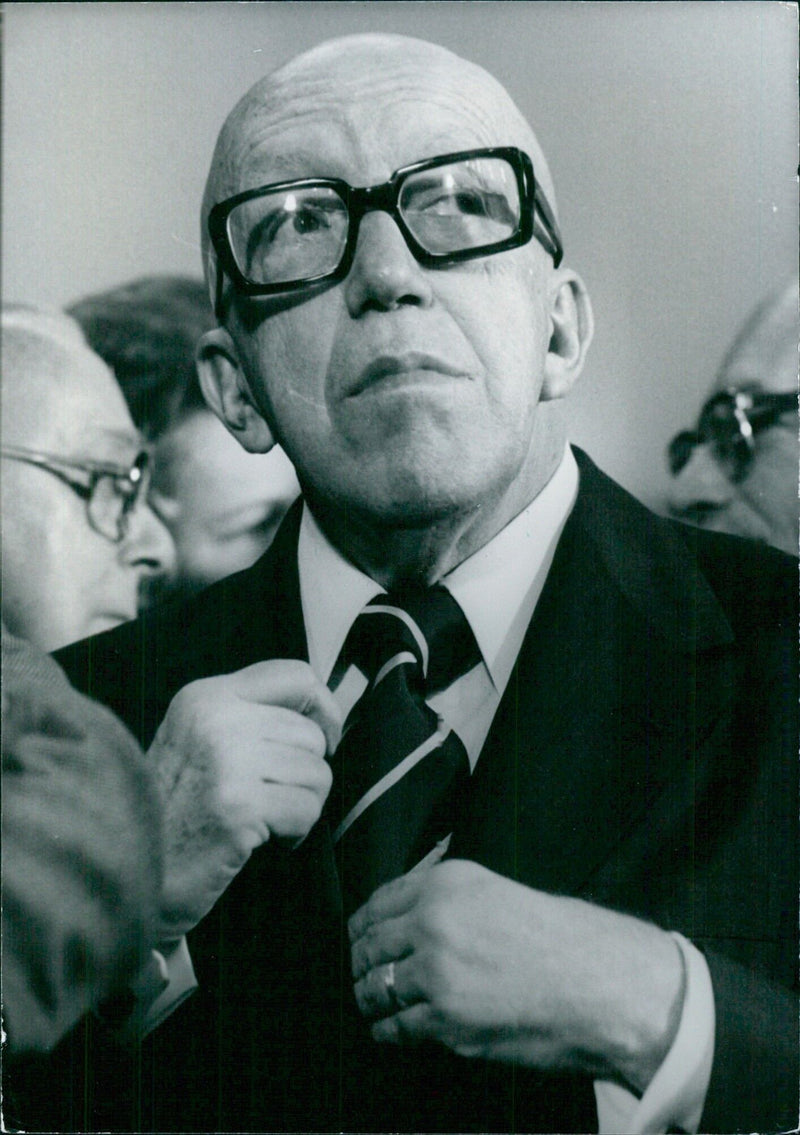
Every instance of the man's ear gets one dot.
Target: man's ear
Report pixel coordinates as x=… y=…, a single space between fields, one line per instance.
x=226 y=391
x=571 y=331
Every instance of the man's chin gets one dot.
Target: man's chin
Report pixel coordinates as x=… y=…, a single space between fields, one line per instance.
x=108 y=620
x=407 y=505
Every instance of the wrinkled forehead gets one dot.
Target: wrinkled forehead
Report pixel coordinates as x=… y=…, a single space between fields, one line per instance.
x=360 y=108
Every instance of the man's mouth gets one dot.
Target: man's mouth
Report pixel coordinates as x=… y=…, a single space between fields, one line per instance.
x=386 y=368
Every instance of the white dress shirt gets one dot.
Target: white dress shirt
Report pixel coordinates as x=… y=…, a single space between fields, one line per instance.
x=498 y=588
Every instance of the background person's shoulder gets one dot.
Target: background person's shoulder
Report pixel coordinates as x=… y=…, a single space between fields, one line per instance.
x=755 y=583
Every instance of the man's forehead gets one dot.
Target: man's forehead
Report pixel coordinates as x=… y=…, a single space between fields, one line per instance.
x=342 y=141
x=368 y=101
x=60 y=394
x=371 y=71
x=97 y=422
x=765 y=353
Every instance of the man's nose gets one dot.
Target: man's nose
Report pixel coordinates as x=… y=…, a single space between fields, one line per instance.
x=148 y=544
x=384 y=273
x=701 y=488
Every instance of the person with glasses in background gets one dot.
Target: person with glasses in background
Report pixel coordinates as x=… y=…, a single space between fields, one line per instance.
x=79 y=536
x=81 y=813
x=500 y=767
x=737 y=471
x=221 y=504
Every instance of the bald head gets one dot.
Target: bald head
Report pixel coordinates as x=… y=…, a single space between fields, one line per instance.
x=765 y=350
x=54 y=387
x=355 y=79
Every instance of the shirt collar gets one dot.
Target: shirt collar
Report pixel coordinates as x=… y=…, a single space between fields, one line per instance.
x=497 y=587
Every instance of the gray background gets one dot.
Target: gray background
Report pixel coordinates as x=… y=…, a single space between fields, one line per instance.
x=671 y=129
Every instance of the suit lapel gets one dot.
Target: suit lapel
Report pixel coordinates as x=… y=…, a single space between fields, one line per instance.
x=277 y=597
x=602 y=712
x=260 y=612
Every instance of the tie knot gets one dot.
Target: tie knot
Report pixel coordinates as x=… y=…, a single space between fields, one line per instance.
x=425 y=623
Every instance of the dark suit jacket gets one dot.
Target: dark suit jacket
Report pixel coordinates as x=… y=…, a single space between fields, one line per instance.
x=644 y=757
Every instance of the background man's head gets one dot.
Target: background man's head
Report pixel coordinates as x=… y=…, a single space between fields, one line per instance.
x=221 y=504
x=78 y=536
x=404 y=393
x=738 y=470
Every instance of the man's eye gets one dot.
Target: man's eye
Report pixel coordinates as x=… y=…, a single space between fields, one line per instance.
x=285 y=224
x=473 y=204
x=449 y=203
x=466 y=203
x=309 y=221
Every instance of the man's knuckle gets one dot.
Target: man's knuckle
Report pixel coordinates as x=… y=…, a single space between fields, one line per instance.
x=433 y=923
x=436 y=980
x=367 y=914
x=241 y=842
x=300 y=811
x=305 y=682
x=319 y=748
x=453 y=873
x=407 y=1030
x=199 y=705
x=358 y=960
x=325 y=776
x=312 y=809
x=205 y=690
x=367 y=945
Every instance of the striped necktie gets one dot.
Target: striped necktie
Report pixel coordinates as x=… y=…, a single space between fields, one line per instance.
x=399 y=768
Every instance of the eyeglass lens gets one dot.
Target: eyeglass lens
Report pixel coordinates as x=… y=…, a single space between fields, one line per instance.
x=301 y=232
x=462 y=205
x=728 y=422
x=288 y=234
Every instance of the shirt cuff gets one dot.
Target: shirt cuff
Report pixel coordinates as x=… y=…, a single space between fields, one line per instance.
x=165 y=981
x=176 y=968
x=676 y=1095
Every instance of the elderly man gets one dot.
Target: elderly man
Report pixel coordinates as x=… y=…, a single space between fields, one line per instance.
x=552 y=887
x=81 y=821
x=737 y=471
x=78 y=535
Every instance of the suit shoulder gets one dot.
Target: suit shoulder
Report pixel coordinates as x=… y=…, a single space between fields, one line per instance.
x=757 y=585
x=695 y=585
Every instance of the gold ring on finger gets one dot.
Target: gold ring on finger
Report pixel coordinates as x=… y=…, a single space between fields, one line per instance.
x=396 y=1002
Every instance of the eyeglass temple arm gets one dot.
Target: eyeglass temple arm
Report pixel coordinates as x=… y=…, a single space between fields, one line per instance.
x=219 y=277
x=777 y=403
x=548 y=234
x=39 y=461
x=95 y=468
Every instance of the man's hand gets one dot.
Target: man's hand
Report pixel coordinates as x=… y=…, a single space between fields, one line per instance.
x=240 y=758
x=494 y=969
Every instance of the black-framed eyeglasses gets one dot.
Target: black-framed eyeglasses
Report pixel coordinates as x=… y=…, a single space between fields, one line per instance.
x=294 y=234
x=111 y=491
x=729 y=422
